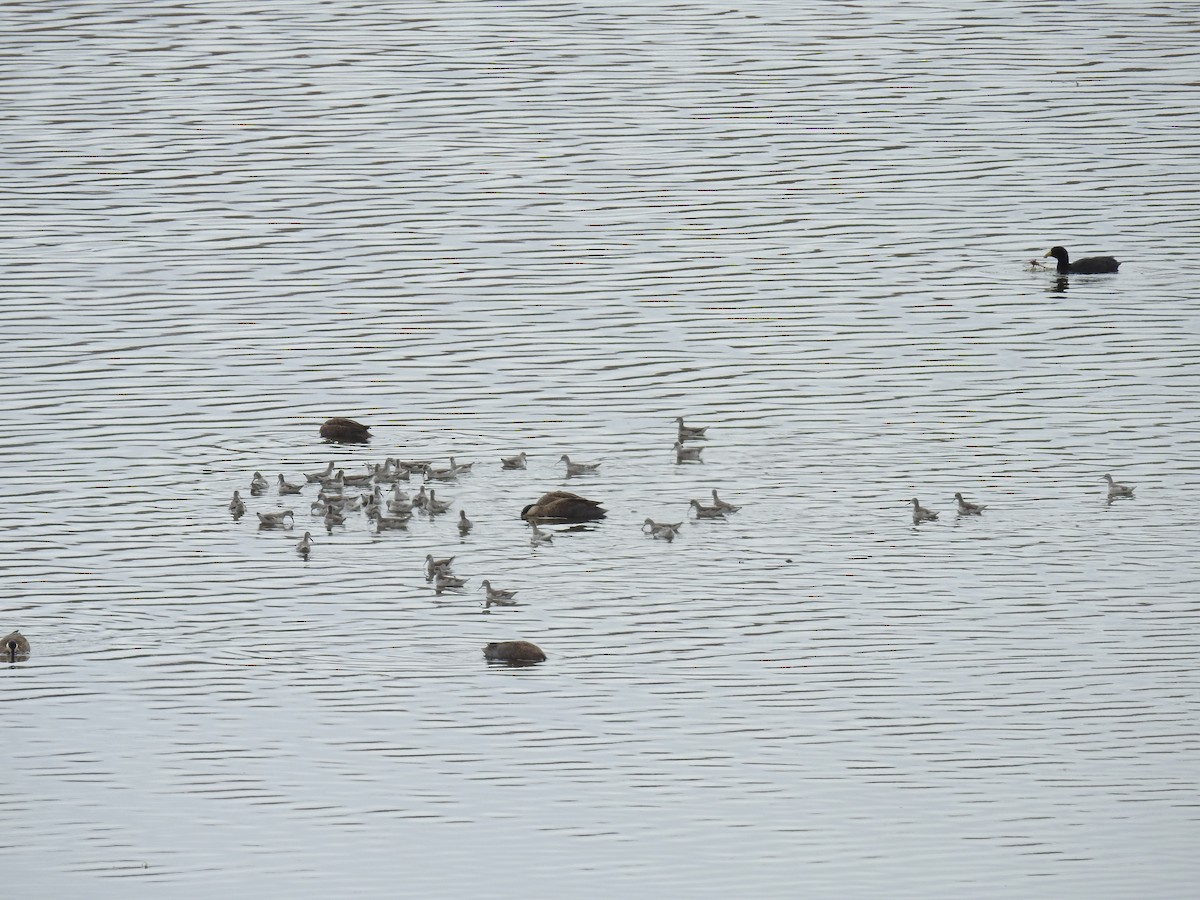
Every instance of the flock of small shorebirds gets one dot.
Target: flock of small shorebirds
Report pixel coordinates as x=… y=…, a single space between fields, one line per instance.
x=339 y=493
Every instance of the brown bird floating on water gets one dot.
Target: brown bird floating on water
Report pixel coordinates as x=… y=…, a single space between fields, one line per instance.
x=1091 y=265
x=16 y=647
x=514 y=652
x=345 y=431
x=564 y=507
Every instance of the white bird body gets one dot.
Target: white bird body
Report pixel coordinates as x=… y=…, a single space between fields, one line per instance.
x=1116 y=490
x=276 y=519
x=513 y=462
x=921 y=514
x=577 y=468
x=969 y=509
x=689 y=432
x=314 y=477
x=687 y=454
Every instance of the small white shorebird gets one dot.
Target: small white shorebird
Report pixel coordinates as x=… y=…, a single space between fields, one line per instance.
x=276 y=519
x=305 y=545
x=285 y=487
x=384 y=522
x=314 y=477
x=434 y=566
x=498 y=596
x=687 y=454
x=578 y=468
x=538 y=536
x=433 y=505
x=721 y=504
x=921 y=514
x=663 y=531
x=236 y=506
x=258 y=484
x=969 y=509
x=464 y=524
x=513 y=462
x=1116 y=490
x=707 y=512
x=689 y=432
x=442 y=582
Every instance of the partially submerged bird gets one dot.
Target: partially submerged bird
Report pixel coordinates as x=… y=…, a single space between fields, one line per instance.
x=464 y=524
x=434 y=566
x=689 y=432
x=721 y=504
x=345 y=431
x=276 y=519
x=707 y=512
x=687 y=454
x=384 y=522
x=1091 y=265
x=16 y=647
x=514 y=652
x=286 y=487
x=537 y=536
x=563 y=506
x=236 y=506
x=513 y=462
x=305 y=545
x=447 y=582
x=921 y=514
x=969 y=509
x=258 y=485
x=498 y=596
x=314 y=477
x=578 y=468
x=1116 y=490
x=433 y=505
x=663 y=531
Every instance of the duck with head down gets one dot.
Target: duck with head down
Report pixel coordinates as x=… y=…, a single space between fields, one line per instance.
x=345 y=431
x=16 y=647
x=563 y=506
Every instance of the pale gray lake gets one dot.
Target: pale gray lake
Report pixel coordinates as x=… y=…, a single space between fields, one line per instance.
x=489 y=227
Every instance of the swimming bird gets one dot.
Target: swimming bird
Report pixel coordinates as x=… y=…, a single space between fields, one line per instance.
x=564 y=506
x=16 y=647
x=663 y=531
x=341 y=501
x=921 y=514
x=305 y=545
x=1091 y=265
x=276 y=519
x=399 y=504
x=1116 y=490
x=687 y=454
x=384 y=522
x=236 y=506
x=314 y=477
x=460 y=467
x=333 y=516
x=420 y=499
x=514 y=652
x=345 y=431
x=360 y=480
x=513 y=462
x=258 y=485
x=969 y=509
x=433 y=505
x=689 y=432
x=434 y=566
x=721 y=504
x=578 y=468
x=444 y=582
x=464 y=524
x=442 y=473
x=538 y=536
x=498 y=596
x=707 y=512
x=286 y=487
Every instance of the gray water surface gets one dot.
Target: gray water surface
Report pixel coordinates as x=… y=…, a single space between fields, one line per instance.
x=554 y=227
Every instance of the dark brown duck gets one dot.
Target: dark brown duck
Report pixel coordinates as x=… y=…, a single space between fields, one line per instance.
x=345 y=431
x=514 y=652
x=564 y=506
